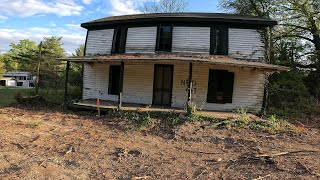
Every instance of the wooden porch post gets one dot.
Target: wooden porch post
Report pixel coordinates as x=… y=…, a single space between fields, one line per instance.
x=66 y=82
x=189 y=102
x=121 y=84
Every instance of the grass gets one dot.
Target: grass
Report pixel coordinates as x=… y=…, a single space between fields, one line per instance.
x=142 y=120
x=7 y=95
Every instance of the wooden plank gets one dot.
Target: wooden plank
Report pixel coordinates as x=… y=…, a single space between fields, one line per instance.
x=121 y=83
x=66 y=82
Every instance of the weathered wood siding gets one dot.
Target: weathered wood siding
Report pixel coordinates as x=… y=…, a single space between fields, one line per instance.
x=191 y=39
x=138 y=85
x=141 y=40
x=247 y=92
x=246 y=44
x=99 y=42
x=96 y=81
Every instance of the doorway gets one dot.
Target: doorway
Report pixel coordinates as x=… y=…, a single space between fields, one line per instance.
x=162 y=85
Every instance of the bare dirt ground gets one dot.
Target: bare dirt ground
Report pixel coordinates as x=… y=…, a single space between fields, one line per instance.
x=53 y=145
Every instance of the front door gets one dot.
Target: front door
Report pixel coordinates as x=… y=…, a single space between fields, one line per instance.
x=162 y=85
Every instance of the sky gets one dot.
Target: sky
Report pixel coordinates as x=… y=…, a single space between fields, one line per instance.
x=35 y=19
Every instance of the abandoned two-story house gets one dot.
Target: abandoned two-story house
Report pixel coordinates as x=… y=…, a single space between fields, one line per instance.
x=167 y=59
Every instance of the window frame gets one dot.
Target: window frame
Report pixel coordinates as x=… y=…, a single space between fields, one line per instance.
x=122 y=40
x=158 y=41
x=227 y=92
x=111 y=91
x=220 y=47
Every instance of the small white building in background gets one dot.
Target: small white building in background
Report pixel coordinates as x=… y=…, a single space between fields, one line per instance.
x=17 y=79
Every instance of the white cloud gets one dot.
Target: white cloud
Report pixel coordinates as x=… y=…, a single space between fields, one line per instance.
x=71 y=39
x=121 y=7
x=87 y=2
x=25 y=8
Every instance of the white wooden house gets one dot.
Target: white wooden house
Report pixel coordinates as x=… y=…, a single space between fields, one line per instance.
x=17 y=79
x=214 y=60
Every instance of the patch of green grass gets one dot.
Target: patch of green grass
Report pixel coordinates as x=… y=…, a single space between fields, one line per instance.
x=7 y=95
x=141 y=120
x=33 y=125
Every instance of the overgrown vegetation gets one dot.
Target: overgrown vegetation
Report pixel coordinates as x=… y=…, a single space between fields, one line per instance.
x=294 y=43
x=144 y=120
x=8 y=95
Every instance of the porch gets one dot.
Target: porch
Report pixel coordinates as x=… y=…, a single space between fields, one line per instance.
x=105 y=105
x=174 y=81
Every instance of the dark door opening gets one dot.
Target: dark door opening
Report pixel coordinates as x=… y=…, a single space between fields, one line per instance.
x=162 y=85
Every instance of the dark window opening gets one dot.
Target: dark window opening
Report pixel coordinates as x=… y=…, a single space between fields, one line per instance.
x=220 y=86
x=114 y=80
x=164 y=40
x=219 y=41
x=119 y=40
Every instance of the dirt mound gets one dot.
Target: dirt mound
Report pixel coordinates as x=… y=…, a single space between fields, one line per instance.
x=55 y=145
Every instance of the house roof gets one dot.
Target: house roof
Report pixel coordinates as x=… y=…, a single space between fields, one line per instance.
x=204 y=58
x=17 y=74
x=188 y=17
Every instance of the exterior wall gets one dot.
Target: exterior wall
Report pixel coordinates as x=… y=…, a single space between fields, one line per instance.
x=247 y=92
x=99 y=42
x=191 y=39
x=246 y=44
x=141 y=40
x=138 y=85
x=96 y=81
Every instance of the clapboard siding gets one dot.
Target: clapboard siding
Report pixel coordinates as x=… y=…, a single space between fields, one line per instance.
x=96 y=80
x=179 y=89
x=138 y=83
x=191 y=39
x=99 y=42
x=247 y=92
x=246 y=44
x=141 y=40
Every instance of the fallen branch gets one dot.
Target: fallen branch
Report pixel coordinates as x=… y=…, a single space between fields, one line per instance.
x=215 y=125
x=283 y=153
x=70 y=150
x=201 y=152
x=142 y=177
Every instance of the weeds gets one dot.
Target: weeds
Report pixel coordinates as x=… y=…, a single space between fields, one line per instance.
x=33 y=125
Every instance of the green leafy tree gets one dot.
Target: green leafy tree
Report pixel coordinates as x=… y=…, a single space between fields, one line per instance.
x=51 y=69
x=79 y=51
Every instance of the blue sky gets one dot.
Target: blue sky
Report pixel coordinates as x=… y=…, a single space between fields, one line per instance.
x=35 y=19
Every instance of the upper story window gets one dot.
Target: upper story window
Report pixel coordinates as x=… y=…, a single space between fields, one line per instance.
x=119 y=40
x=219 y=41
x=164 y=38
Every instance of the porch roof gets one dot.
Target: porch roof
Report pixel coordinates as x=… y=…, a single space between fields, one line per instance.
x=202 y=58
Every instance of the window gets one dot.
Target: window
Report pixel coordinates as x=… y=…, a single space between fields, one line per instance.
x=114 y=80
x=219 y=41
x=220 y=86
x=119 y=40
x=164 y=39
x=22 y=78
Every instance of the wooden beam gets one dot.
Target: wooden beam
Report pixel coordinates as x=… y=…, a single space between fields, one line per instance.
x=121 y=84
x=82 y=73
x=66 y=82
x=190 y=83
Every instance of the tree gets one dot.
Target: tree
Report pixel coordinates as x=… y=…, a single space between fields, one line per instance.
x=51 y=69
x=79 y=51
x=23 y=55
x=164 y=6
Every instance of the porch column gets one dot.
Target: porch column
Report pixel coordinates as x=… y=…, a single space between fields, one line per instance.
x=66 y=82
x=121 y=84
x=190 y=86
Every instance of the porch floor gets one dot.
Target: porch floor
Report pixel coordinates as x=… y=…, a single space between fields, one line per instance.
x=105 y=105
